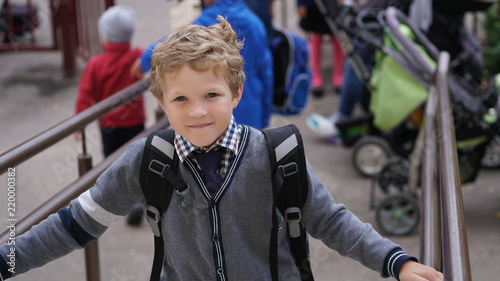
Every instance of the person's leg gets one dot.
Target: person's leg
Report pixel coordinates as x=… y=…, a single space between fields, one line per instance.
x=324 y=126
x=107 y=141
x=353 y=89
x=351 y=93
x=315 y=40
x=338 y=64
x=114 y=138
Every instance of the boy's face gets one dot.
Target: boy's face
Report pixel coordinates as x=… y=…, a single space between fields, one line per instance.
x=199 y=105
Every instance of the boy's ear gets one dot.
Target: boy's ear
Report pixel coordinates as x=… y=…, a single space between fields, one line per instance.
x=161 y=104
x=237 y=97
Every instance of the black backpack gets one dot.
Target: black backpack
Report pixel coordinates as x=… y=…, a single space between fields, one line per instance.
x=158 y=178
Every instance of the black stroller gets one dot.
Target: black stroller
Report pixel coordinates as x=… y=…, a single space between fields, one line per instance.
x=384 y=138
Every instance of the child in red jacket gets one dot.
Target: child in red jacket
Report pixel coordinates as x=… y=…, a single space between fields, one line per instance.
x=108 y=73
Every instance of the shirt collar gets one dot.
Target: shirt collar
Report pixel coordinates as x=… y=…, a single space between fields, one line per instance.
x=229 y=139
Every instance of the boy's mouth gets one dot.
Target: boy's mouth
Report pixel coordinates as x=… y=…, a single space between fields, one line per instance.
x=200 y=126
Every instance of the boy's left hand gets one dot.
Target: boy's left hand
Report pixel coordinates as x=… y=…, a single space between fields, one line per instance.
x=412 y=270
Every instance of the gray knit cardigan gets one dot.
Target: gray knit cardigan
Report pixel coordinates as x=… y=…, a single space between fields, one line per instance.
x=224 y=236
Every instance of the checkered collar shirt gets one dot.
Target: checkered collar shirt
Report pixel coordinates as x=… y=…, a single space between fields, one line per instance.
x=229 y=140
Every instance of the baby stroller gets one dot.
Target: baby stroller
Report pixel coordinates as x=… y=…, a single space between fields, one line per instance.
x=405 y=62
x=372 y=146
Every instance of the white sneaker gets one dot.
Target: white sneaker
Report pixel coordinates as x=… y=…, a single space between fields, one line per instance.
x=323 y=126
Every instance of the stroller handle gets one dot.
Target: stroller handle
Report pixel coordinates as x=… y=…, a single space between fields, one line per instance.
x=393 y=18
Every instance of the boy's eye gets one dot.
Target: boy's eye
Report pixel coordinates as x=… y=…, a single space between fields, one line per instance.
x=211 y=95
x=180 y=98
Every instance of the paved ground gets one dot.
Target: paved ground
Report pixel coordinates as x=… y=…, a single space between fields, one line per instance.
x=35 y=96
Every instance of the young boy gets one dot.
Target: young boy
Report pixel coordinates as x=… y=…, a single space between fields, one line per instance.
x=197 y=77
x=256 y=106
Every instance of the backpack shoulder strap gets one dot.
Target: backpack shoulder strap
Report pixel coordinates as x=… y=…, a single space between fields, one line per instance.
x=158 y=179
x=290 y=189
x=158 y=154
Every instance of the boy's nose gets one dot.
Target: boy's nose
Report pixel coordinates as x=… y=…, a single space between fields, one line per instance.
x=198 y=110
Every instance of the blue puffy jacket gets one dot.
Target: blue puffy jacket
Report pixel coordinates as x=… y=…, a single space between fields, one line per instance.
x=255 y=106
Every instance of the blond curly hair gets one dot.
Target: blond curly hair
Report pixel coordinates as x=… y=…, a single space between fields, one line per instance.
x=202 y=48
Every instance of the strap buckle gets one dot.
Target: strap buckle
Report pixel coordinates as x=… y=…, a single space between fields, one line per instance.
x=289 y=169
x=153 y=216
x=293 y=216
x=158 y=167
x=161 y=169
x=187 y=197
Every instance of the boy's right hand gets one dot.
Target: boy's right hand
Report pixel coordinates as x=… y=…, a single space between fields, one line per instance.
x=414 y=271
x=136 y=70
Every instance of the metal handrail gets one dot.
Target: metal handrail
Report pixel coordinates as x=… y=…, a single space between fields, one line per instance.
x=88 y=175
x=430 y=241
x=456 y=264
x=71 y=191
x=50 y=136
x=443 y=205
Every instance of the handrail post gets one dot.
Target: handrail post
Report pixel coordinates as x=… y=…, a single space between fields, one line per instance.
x=69 y=39
x=10 y=22
x=84 y=159
x=92 y=249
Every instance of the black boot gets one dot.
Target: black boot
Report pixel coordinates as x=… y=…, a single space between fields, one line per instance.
x=317 y=92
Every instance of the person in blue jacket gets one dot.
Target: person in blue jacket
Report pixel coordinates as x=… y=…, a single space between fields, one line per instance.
x=256 y=105
x=265 y=13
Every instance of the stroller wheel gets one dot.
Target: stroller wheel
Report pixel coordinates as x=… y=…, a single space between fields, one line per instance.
x=370 y=154
x=491 y=157
x=398 y=214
